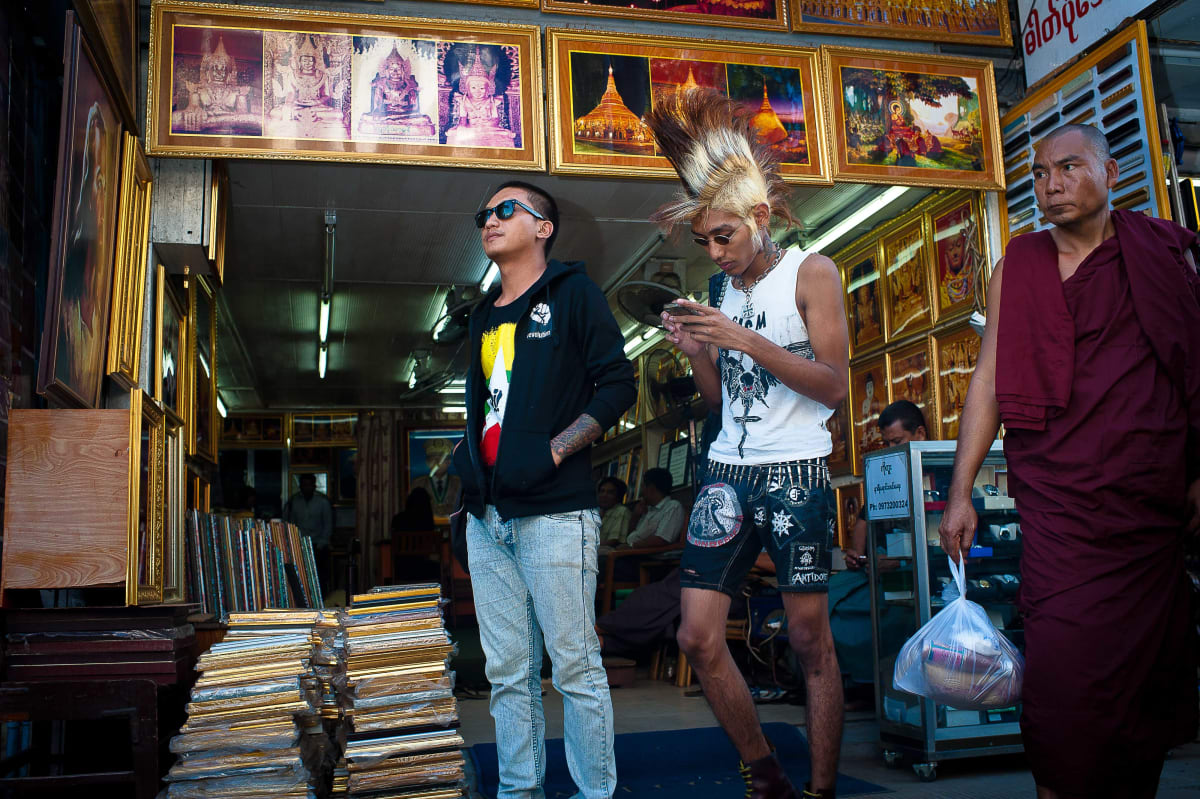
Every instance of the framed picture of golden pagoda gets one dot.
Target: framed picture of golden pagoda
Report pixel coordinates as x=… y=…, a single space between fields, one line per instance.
x=602 y=85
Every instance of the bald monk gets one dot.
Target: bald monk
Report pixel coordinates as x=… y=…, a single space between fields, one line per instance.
x=1090 y=359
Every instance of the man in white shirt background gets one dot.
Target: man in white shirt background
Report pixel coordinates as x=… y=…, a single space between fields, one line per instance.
x=662 y=521
x=311 y=511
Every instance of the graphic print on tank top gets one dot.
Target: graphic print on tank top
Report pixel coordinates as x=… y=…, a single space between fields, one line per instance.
x=748 y=386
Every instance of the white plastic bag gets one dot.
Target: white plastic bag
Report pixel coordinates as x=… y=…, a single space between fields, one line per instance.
x=959 y=659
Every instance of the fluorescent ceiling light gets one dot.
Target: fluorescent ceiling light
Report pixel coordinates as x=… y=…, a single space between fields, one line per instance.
x=412 y=378
x=632 y=345
x=489 y=276
x=322 y=361
x=323 y=333
x=221 y=408
x=651 y=333
x=454 y=409
x=848 y=224
x=451 y=389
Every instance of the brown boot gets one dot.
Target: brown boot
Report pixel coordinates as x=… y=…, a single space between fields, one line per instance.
x=765 y=779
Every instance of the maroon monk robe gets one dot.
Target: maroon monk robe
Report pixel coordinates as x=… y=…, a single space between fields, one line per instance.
x=1110 y=677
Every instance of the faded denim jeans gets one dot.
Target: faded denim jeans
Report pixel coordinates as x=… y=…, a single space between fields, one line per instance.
x=534 y=578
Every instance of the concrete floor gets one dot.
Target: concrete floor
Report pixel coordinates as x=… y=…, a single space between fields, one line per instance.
x=649 y=706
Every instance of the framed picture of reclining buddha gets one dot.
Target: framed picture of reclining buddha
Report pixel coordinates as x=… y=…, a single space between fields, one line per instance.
x=249 y=82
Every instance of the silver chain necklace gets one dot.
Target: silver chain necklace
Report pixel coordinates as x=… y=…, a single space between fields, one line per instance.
x=748 y=290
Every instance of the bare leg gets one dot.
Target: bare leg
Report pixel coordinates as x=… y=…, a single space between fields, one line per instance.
x=1045 y=793
x=810 y=637
x=702 y=638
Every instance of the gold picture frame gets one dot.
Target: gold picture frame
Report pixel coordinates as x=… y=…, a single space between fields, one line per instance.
x=129 y=277
x=147 y=453
x=849 y=506
x=774 y=16
x=880 y=129
x=955 y=353
x=323 y=429
x=201 y=370
x=602 y=84
x=867 y=379
x=251 y=430
x=959 y=259
x=861 y=268
x=364 y=87
x=892 y=22
x=911 y=377
x=908 y=309
x=174 y=510
x=841 y=458
x=114 y=25
x=170 y=349
x=1113 y=79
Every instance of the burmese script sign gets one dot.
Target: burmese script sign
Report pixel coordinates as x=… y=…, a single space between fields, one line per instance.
x=887 y=486
x=238 y=81
x=1055 y=31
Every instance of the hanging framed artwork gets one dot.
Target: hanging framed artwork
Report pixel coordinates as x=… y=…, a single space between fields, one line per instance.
x=910 y=374
x=147 y=500
x=202 y=370
x=174 y=501
x=849 y=502
x=907 y=309
x=431 y=469
x=114 y=23
x=323 y=429
x=960 y=260
x=839 y=459
x=74 y=346
x=868 y=398
x=601 y=85
x=956 y=21
x=760 y=14
x=863 y=286
x=129 y=276
x=912 y=119
x=170 y=347
x=254 y=430
x=250 y=82
x=955 y=353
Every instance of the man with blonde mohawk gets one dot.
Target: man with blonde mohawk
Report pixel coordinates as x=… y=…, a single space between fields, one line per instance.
x=770 y=356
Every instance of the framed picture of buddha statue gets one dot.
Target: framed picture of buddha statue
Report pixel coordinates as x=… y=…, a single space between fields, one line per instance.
x=601 y=86
x=241 y=82
x=862 y=281
x=868 y=398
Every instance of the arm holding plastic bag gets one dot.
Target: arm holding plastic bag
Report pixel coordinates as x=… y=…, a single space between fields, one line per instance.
x=959 y=659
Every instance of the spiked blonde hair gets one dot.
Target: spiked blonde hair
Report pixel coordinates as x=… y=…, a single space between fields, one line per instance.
x=719 y=157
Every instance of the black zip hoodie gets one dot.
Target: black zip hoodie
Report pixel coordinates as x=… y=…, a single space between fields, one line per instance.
x=569 y=359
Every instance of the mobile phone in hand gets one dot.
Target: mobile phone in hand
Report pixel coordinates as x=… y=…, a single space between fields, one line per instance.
x=675 y=309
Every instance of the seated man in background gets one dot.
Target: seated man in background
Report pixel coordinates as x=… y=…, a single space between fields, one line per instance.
x=660 y=524
x=614 y=514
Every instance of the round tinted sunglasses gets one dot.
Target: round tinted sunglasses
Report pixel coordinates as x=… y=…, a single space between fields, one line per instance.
x=721 y=238
x=503 y=210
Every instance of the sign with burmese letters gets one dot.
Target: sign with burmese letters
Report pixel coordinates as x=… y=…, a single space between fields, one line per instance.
x=1055 y=31
x=887 y=486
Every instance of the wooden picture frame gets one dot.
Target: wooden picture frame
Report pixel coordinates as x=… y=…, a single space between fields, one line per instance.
x=174 y=512
x=428 y=455
x=78 y=298
x=113 y=25
x=199 y=494
x=202 y=370
x=170 y=348
x=911 y=377
x=861 y=267
x=907 y=306
x=1111 y=87
x=147 y=485
x=869 y=383
x=881 y=131
x=990 y=26
x=955 y=353
x=602 y=84
x=958 y=266
x=771 y=14
x=254 y=430
x=132 y=254
x=841 y=458
x=323 y=429
x=364 y=87
x=849 y=505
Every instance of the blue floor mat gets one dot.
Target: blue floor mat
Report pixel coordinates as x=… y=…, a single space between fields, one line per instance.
x=696 y=763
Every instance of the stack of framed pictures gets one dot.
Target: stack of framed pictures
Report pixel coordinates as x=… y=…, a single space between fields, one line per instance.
x=909 y=286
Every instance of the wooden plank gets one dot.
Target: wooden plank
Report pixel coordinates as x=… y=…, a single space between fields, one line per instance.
x=66 y=513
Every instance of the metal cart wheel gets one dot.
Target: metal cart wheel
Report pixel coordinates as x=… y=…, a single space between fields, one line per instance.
x=926 y=772
x=892 y=758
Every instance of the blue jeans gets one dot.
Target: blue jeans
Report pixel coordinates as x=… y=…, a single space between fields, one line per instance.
x=534 y=578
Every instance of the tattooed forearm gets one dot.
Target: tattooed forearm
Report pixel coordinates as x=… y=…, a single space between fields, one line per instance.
x=580 y=433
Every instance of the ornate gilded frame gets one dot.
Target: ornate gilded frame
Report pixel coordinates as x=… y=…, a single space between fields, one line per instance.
x=854 y=255
x=947 y=423
x=895 y=30
x=876 y=364
x=928 y=402
x=165 y=298
x=146 y=420
x=525 y=102
x=990 y=176
x=298 y=423
x=565 y=157
x=892 y=243
x=195 y=372
x=114 y=24
x=938 y=208
x=174 y=510
x=845 y=522
x=845 y=463
x=779 y=22
x=1080 y=94
x=129 y=277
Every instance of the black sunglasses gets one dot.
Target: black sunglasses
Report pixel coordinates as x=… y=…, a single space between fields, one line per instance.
x=503 y=210
x=720 y=238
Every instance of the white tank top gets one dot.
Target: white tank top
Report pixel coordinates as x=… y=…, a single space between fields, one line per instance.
x=762 y=420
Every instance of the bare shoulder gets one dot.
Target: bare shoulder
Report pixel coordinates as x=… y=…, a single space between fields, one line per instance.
x=816 y=276
x=816 y=265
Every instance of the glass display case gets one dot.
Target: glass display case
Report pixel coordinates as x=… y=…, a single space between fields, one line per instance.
x=906 y=489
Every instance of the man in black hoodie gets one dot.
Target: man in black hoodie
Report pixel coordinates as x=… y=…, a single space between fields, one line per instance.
x=548 y=374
